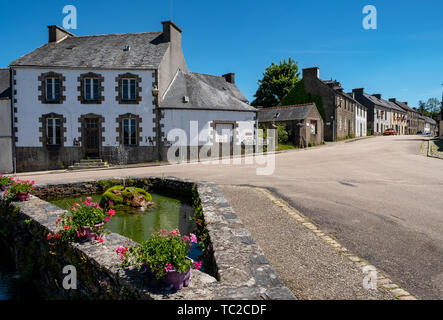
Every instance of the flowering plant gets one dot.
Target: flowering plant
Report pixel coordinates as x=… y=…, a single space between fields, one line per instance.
x=164 y=252
x=19 y=186
x=5 y=181
x=82 y=218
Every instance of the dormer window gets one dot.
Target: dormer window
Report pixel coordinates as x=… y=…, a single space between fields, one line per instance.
x=51 y=88
x=128 y=88
x=91 y=88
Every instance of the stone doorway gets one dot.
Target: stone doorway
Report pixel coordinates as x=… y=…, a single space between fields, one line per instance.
x=91 y=135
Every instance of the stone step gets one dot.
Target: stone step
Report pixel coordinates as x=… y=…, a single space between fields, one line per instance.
x=88 y=164
x=91 y=161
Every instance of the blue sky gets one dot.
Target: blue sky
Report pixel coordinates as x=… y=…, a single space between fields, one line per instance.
x=403 y=58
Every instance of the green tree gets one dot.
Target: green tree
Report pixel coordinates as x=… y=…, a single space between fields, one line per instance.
x=298 y=95
x=276 y=83
x=433 y=106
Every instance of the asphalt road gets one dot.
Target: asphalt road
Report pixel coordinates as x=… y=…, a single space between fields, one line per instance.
x=379 y=197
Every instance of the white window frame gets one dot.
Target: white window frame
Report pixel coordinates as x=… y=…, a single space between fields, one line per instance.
x=129 y=96
x=132 y=124
x=91 y=89
x=52 y=83
x=54 y=131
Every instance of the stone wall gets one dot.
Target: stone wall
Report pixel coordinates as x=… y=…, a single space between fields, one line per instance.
x=241 y=270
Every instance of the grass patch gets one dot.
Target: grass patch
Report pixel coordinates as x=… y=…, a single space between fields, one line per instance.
x=285 y=146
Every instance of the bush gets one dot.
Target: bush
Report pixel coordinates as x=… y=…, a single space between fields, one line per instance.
x=120 y=197
x=283 y=135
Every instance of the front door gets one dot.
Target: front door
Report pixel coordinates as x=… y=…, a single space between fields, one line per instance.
x=224 y=136
x=92 y=137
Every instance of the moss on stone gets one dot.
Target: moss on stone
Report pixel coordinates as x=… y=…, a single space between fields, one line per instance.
x=120 y=198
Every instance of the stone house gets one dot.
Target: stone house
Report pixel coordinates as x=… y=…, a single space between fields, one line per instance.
x=339 y=107
x=411 y=116
x=6 y=165
x=421 y=123
x=398 y=117
x=378 y=112
x=303 y=122
x=116 y=97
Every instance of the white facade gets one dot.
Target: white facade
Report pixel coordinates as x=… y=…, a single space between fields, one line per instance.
x=197 y=125
x=360 y=121
x=30 y=109
x=382 y=119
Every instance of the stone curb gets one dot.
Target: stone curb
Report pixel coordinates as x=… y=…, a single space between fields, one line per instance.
x=383 y=279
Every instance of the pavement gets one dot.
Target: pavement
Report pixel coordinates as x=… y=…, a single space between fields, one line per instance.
x=380 y=198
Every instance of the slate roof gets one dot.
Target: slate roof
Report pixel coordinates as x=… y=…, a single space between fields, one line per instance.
x=404 y=106
x=392 y=105
x=285 y=113
x=203 y=92
x=100 y=51
x=5 y=84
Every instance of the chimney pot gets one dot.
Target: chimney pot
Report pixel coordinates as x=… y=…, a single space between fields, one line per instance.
x=171 y=32
x=377 y=95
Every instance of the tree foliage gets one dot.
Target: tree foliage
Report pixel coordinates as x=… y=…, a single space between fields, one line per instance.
x=430 y=108
x=298 y=95
x=277 y=80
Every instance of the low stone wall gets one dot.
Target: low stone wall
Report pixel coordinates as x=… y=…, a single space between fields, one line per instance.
x=241 y=270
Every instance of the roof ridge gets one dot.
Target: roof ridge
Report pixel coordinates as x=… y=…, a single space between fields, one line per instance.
x=114 y=34
x=292 y=105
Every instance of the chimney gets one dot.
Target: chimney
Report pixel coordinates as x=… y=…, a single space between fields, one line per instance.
x=393 y=100
x=406 y=103
x=57 y=34
x=358 y=92
x=352 y=94
x=172 y=33
x=377 y=95
x=311 y=73
x=229 y=77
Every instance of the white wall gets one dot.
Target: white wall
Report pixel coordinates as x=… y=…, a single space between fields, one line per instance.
x=175 y=118
x=386 y=123
x=360 y=118
x=30 y=109
x=5 y=137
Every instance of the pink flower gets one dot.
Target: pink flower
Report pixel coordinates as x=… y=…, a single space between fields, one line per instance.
x=111 y=203
x=197 y=265
x=100 y=239
x=107 y=219
x=89 y=199
x=193 y=238
x=174 y=233
x=169 y=268
x=111 y=212
x=186 y=238
x=49 y=236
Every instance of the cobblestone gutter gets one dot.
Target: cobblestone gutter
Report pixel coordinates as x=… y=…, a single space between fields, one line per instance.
x=240 y=270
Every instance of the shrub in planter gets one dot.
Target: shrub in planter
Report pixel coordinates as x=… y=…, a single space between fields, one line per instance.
x=84 y=221
x=20 y=189
x=164 y=256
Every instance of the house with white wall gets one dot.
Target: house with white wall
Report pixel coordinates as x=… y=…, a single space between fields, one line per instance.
x=361 y=117
x=116 y=97
x=378 y=112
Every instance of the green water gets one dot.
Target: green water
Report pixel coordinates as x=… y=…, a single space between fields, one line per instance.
x=167 y=213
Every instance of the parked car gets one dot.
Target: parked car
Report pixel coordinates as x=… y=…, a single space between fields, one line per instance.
x=390 y=132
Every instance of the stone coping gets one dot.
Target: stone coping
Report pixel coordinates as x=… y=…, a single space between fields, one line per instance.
x=243 y=272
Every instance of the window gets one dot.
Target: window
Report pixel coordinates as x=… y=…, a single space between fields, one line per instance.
x=129 y=132
x=52 y=89
x=53 y=131
x=313 y=127
x=128 y=88
x=91 y=89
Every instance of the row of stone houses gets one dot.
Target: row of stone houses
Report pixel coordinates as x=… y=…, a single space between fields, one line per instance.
x=123 y=98
x=358 y=113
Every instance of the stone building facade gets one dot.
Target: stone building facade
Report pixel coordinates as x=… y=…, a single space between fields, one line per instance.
x=103 y=97
x=378 y=112
x=339 y=107
x=303 y=122
x=411 y=116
